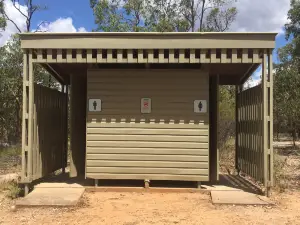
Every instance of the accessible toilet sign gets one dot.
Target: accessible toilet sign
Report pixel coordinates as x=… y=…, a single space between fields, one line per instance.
x=200 y=106
x=94 y=105
x=146 y=105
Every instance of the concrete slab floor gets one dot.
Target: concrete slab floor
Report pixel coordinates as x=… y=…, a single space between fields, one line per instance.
x=54 y=194
x=238 y=198
x=219 y=188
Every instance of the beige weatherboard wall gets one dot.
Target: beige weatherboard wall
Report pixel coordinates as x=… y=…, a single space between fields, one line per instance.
x=174 y=72
x=170 y=142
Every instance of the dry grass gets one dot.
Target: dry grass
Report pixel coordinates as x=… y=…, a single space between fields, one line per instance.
x=10 y=151
x=10 y=160
x=286 y=163
x=287 y=167
x=227 y=157
x=11 y=189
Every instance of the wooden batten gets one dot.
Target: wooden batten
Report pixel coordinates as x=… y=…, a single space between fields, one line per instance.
x=25 y=117
x=148 y=56
x=30 y=115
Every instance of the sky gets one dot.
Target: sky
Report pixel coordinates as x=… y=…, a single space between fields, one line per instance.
x=77 y=16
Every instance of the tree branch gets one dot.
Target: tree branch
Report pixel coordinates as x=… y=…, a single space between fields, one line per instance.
x=40 y=24
x=19 y=10
x=4 y=13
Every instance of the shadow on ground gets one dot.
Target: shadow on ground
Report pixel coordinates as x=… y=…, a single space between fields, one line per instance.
x=230 y=181
x=288 y=150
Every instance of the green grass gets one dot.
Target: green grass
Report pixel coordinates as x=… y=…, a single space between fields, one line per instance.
x=10 y=151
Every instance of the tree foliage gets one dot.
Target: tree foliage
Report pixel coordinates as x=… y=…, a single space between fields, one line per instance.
x=227 y=114
x=2 y=18
x=293 y=26
x=163 y=15
x=287 y=95
x=31 y=7
x=287 y=78
x=11 y=89
x=11 y=73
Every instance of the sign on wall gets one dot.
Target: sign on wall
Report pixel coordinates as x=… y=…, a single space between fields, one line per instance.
x=95 y=105
x=146 y=105
x=200 y=106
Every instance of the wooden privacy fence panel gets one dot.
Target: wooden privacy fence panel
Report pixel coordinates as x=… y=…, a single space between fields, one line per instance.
x=147 y=55
x=250 y=151
x=49 y=131
x=254 y=143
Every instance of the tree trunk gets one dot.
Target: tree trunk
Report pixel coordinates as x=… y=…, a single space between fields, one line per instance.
x=202 y=15
x=18 y=123
x=294 y=136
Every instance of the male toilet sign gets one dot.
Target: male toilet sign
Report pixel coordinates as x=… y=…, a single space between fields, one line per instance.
x=146 y=105
x=200 y=106
x=94 y=105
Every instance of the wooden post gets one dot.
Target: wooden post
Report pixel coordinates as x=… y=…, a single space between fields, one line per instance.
x=78 y=124
x=270 y=123
x=267 y=123
x=271 y=82
x=147 y=183
x=26 y=189
x=264 y=117
x=238 y=89
x=217 y=126
x=214 y=129
x=237 y=128
x=199 y=185
x=25 y=118
x=65 y=150
x=30 y=116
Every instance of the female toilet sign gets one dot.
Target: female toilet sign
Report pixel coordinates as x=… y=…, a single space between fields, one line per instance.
x=146 y=105
x=200 y=106
x=94 y=105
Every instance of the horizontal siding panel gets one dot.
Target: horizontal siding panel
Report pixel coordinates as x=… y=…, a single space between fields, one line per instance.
x=135 y=157
x=129 y=117
x=147 y=164
x=148 y=176
x=160 y=86
x=115 y=75
x=139 y=89
x=148 y=79
x=149 y=151
x=170 y=143
x=159 y=107
x=149 y=138
x=175 y=79
x=132 y=144
x=130 y=94
x=148 y=125
x=133 y=99
x=181 y=132
x=141 y=170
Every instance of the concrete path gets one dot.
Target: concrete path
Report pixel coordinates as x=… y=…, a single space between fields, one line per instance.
x=238 y=198
x=53 y=194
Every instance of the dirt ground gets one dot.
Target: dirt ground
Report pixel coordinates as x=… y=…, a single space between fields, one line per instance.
x=156 y=208
x=173 y=208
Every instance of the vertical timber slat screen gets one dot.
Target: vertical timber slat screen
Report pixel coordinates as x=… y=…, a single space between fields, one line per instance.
x=49 y=148
x=250 y=152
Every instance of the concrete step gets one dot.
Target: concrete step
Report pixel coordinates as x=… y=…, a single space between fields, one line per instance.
x=53 y=194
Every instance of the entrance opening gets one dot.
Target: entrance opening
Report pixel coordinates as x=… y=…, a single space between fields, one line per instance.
x=227 y=129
